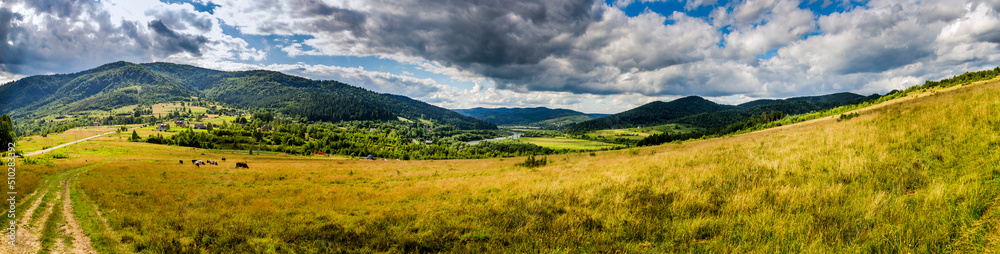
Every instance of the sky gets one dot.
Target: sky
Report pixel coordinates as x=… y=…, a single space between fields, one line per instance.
x=591 y=56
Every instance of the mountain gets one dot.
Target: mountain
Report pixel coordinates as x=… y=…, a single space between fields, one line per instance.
x=540 y=116
x=653 y=113
x=829 y=98
x=790 y=106
x=120 y=84
x=697 y=111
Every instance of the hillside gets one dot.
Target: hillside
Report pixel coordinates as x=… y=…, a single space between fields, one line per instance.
x=121 y=84
x=698 y=112
x=653 y=113
x=790 y=106
x=540 y=116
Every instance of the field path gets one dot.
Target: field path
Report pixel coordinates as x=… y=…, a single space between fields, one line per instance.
x=70 y=143
x=81 y=243
x=68 y=235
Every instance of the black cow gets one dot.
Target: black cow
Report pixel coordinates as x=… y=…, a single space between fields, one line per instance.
x=242 y=165
x=223 y=158
x=182 y=161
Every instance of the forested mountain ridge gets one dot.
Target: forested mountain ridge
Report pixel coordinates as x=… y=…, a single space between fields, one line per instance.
x=652 y=113
x=120 y=84
x=790 y=106
x=697 y=111
x=537 y=116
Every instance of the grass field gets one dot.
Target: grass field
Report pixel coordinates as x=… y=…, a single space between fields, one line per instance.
x=37 y=142
x=642 y=132
x=915 y=176
x=562 y=143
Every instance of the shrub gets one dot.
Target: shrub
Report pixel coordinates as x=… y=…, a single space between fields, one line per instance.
x=531 y=162
x=847 y=116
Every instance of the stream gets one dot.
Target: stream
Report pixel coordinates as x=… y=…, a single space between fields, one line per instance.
x=515 y=135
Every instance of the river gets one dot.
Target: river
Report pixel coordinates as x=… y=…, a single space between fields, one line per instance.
x=515 y=135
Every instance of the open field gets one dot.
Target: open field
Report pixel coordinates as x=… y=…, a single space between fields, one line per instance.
x=918 y=175
x=35 y=143
x=640 y=133
x=562 y=143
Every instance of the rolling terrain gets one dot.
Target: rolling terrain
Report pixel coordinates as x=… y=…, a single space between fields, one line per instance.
x=914 y=174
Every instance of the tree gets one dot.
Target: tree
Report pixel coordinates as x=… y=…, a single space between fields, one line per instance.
x=6 y=130
x=135 y=137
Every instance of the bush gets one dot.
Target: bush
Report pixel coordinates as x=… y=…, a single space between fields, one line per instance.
x=531 y=162
x=847 y=116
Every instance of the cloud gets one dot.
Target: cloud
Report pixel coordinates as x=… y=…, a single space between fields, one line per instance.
x=56 y=36
x=172 y=43
x=571 y=53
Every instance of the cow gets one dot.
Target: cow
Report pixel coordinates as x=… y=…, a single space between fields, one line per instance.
x=182 y=161
x=194 y=161
x=223 y=158
x=212 y=162
x=242 y=165
x=199 y=162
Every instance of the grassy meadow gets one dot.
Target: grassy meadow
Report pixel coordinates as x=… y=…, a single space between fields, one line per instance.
x=564 y=143
x=37 y=142
x=642 y=132
x=916 y=176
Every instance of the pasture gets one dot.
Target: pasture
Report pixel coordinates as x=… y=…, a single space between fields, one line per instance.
x=642 y=131
x=916 y=175
x=563 y=143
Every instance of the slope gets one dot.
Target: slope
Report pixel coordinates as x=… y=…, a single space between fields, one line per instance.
x=790 y=106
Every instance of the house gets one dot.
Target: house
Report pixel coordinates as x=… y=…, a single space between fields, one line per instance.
x=179 y=123
x=163 y=127
x=95 y=123
x=200 y=126
x=428 y=142
x=264 y=128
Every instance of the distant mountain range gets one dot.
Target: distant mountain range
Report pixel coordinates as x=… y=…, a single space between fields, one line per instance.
x=119 y=84
x=540 y=116
x=699 y=112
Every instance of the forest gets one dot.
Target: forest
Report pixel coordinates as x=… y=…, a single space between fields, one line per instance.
x=392 y=139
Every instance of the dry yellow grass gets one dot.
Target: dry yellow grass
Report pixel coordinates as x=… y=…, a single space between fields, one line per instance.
x=919 y=175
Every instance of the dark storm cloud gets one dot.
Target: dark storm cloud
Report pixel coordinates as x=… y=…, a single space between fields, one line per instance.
x=79 y=34
x=171 y=42
x=181 y=19
x=487 y=33
x=10 y=55
x=61 y=8
x=514 y=43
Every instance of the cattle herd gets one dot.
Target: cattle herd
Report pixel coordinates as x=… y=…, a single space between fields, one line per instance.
x=216 y=163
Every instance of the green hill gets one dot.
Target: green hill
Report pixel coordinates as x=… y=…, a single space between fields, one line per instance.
x=653 y=113
x=790 y=106
x=698 y=112
x=540 y=116
x=119 y=84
